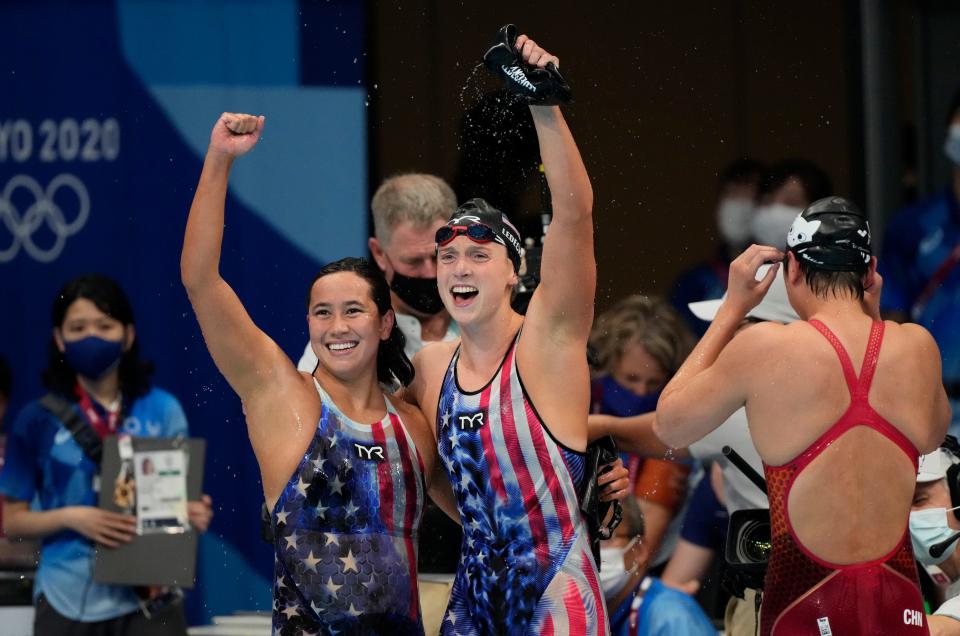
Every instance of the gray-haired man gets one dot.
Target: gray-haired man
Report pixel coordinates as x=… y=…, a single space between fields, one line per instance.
x=407 y=211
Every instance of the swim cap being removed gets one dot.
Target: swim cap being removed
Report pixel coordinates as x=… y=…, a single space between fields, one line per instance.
x=540 y=86
x=832 y=234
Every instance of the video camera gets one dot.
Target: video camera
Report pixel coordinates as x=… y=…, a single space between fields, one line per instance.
x=749 y=538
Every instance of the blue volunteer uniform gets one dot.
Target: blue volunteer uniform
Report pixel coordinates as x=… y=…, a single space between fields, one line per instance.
x=921 y=280
x=44 y=465
x=658 y=610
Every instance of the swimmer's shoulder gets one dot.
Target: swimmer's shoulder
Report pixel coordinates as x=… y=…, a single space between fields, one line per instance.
x=434 y=352
x=908 y=342
x=765 y=334
x=767 y=345
x=417 y=426
x=411 y=415
x=909 y=332
x=431 y=362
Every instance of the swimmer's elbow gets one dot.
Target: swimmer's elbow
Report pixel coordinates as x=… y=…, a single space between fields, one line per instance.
x=189 y=274
x=196 y=279
x=668 y=426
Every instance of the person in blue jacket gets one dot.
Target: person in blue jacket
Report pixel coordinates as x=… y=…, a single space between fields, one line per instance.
x=921 y=280
x=50 y=480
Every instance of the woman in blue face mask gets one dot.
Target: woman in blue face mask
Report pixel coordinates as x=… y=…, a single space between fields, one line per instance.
x=94 y=371
x=638 y=345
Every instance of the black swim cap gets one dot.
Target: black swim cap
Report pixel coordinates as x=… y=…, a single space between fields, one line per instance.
x=832 y=234
x=542 y=86
x=478 y=212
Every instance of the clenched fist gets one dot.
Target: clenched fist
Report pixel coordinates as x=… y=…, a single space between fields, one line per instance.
x=534 y=54
x=235 y=134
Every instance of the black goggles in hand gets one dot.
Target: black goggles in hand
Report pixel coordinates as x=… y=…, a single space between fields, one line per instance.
x=476 y=232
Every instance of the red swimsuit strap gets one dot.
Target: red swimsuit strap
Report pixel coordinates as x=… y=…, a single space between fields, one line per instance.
x=859 y=387
x=849 y=373
x=859 y=391
x=869 y=366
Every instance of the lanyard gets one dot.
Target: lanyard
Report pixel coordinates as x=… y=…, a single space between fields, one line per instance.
x=102 y=426
x=636 y=603
x=934 y=283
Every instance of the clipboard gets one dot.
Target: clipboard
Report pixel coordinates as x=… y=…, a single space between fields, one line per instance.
x=150 y=559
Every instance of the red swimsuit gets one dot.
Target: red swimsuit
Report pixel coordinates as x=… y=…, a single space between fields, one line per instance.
x=804 y=594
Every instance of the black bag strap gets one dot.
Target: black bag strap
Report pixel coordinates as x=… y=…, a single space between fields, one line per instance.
x=83 y=434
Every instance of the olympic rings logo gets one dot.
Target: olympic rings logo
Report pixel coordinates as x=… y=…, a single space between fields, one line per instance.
x=43 y=211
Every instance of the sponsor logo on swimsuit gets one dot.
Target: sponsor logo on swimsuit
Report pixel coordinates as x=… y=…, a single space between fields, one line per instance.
x=470 y=422
x=517 y=75
x=370 y=453
x=824 y=624
x=913 y=617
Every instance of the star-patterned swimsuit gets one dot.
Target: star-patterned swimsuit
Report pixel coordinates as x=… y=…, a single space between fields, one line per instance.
x=345 y=531
x=526 y=565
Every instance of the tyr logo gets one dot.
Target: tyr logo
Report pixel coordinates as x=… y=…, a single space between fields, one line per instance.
x=374 y=453
x=470 y=422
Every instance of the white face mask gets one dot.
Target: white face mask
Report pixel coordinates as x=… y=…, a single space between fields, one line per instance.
x=952 y=146
x=771 y=223
x=927 y=528
x=733 y=220
x=613 y=572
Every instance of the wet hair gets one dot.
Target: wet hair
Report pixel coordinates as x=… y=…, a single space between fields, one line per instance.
x=647 y=320
x=742 y=171
x=825 y=283
x=814 y=180
x=109 y=298
x=392 y=362
x=421 y=199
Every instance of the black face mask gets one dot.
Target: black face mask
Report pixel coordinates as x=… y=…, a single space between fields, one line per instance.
x=420 y=293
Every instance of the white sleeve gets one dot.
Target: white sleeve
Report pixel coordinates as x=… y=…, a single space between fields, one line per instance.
x=308 y=361
x=950 y=607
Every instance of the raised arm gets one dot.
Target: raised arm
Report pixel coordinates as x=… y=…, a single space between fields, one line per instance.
x=563 y=302
x=706 y=390
x=245 y=356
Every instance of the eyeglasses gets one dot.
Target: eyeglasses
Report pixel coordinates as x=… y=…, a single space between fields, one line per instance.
x=477 y=232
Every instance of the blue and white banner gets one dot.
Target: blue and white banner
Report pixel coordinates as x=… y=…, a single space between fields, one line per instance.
x=105 y=113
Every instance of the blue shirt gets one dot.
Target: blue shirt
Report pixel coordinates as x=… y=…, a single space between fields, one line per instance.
x=46 y=466
x=706 y=281
x=663 y=611
x=917 y=242
x=705 y=523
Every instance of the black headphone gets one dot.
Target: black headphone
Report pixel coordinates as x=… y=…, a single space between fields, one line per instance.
x=952 y=446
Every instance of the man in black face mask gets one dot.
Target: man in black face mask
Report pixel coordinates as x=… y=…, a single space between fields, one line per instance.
x=407 y=211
